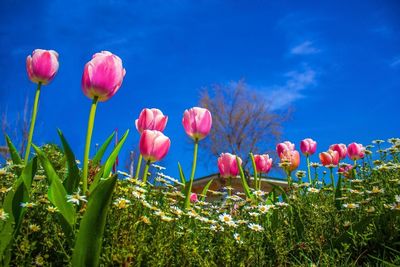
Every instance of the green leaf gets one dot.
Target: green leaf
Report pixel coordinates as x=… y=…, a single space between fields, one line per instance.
x=73 y=178
x=56 y=192
x=243 y=179
x=100 y=153
x=182 y=177
x=12 y=206
x=107 y=167
x=15 y=157
x=90 y=236
x=253 y=162
x=205 y=189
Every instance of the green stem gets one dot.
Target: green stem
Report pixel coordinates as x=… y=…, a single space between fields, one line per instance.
x=33 y=120
x=189 y=189
x=308 y=168
x=146 y=171
x=332 y=179
x=229 y=186
x=87 y=145
x=138 y=166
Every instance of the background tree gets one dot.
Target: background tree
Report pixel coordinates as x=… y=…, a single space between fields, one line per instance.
x=242 y=121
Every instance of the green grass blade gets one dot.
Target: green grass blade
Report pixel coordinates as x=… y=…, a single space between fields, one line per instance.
x=71 y=182
x=15 y=157
x=90 y=236
x=205 y=189
x=56 y=192
x=100 y=153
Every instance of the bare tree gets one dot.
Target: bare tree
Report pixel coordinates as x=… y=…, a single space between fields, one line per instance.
x=242 y=120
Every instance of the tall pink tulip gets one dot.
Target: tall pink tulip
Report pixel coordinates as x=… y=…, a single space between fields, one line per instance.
x=329 y=158
x=341 y=149
x=102 y=76
x=151 y=119
x=197 y=122
x=263 y=163
x=227 y=165
x=282 y=147
x=308 y=146
x=355 y=151
x=42 y=66
x=291 y=158
x=154 y=145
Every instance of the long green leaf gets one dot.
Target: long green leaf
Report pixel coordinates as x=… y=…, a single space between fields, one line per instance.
x=253 y=163
x=56 y=192
x=90 y=236
x=106 y=168
x=100 y=153
x=183 y=178
x=205 y=189
x=12 y=206
x=71 y=182
x=15 y=157
x=246 y=187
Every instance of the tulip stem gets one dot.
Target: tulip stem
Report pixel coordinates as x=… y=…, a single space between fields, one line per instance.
x=146 y=171
x=33 y=120
x=308 y=168
x=138 y=166
x=87 y=145
x=189 y=189
x=230 y=186
x=332 y=179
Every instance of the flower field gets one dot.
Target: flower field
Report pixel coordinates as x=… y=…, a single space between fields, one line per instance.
x=342 y=211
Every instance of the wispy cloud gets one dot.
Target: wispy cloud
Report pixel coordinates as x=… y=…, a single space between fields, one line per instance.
x=305 y=48
x=281 y=96
x=395 y=62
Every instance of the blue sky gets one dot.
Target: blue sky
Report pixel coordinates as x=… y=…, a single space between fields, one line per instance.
x=337 y=63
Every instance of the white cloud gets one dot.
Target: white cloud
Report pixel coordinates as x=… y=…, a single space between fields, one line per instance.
x=280 y=96
x=305 y=48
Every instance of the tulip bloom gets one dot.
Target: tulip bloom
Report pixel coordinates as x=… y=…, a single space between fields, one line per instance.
x=193 y=197
x=282 y=147
x=308 y=146
x=154 y=145
x=263 y=163
x=329 y=158
x=102 y=76
x=341 y=149
x=227 y=165
x=151 y=119
x=290 y=160
x=42 y=66
x=197 y=122
x=355 y=151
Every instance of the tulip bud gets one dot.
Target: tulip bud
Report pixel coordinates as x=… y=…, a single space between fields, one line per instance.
x=282 y=147
x=308 y=146
x=355 y=151
x=341 y=149
x=193 y=197
x=42 y=66
x=102 y=76
x=346 y=170
x=227 y=165
x=290 y=159
x=263 y=163
x=197 y=122
x=329 y=158
x=153 y=145
x=151 y=119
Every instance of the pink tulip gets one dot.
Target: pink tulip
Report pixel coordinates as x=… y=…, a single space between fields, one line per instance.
x=263 y=163
x=308 y=146
x=154 y=145
x=341 y=149
x=151 y=119
x=355 y=151
x=193 y=197
x=346 y=170
x=42 y=66
x=102 y=76
x=227 y=165
x=197 y=122
x=329 y=158
x=282 y=147
x=292 y=158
